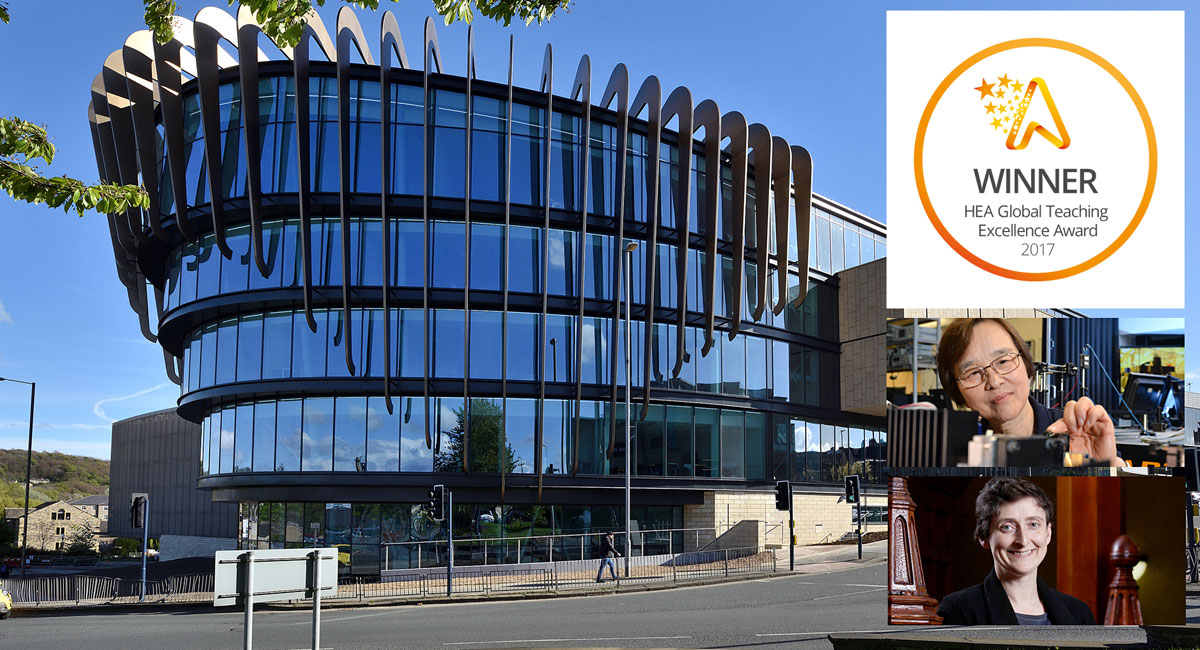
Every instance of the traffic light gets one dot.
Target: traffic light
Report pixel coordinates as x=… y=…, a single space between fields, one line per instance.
x=783 y=495
x=437 y=508
x=852 y=489
x=137 y=512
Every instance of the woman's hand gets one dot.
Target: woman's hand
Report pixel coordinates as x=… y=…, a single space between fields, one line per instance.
x=1091 y=431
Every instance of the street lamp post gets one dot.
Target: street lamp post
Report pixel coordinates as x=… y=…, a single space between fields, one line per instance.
x=630 y=246
x=28 y=469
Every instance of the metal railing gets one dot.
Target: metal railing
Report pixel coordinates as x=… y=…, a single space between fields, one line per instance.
x=538 y=548
x=477 y=580
x=99 y=590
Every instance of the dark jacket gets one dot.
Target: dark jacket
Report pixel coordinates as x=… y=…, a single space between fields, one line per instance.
x=606 y=548
x=987 y=604
x=1042 y=418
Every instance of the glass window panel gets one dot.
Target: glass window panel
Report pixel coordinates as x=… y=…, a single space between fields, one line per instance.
x=565 y=161
x=189 y=267
x=851 y=248
x=449 y=419
x=292 y=533
x=708 y=442
x=205 y=436
x=364 y=528
x=488 y=452
x=228 y=423
x=598 y=267
x=733 y=461
x=408 y=106
x=412 y=343
x=523 y=360
x=485 y=354
x=649 y=452
x=603 y=169
x=558 y=424
x=733 y=365
x=524 y=259
x=708 y=366
x=243 y=450
x=487 y=148
x=308 y=347
x=561 y=262
x=560 y=348
x=823 y=258
x=829 y=449
x=520 y=432
x=383 y=434
x=370 y=257
x=756 y=446
x=595 y=362
x=781 y=382
x=235 y=271
x=336 y=345
x=526 y=177
x=264 y=437
x=593 y=438
x=449 y=111
x=447 y=343
x=277 y=345
x=757 y=366
x=866 y=247
x=365 y=155
x=314 y=524
x=409 y=259
x=208 y=276
x=350 y=431
x=249 y=358
x=293 y=255
x=317 y=445
x=415 y=456
x=837 y=247
x=208 y=356
x=337 y=524
x=448 y=245
x=487 y=261
x=227 y=347
x=678 y=432
x=369 y=331
x=330 y=260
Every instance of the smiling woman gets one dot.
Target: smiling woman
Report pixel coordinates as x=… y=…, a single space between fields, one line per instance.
x=1014 y=521
x=985 y=365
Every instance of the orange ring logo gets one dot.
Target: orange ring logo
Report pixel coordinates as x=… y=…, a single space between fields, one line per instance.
x=918 y=160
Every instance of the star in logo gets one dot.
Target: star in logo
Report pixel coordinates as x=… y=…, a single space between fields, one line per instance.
x=996 y=123
x=985 y=89
x=991 y=108
x=1016 y=86
x=1003 y=81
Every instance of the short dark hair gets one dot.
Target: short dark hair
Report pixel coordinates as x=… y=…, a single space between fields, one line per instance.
x=1003 y=490
x=953 y=345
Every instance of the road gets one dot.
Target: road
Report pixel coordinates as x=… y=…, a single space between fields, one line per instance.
x=786 y=612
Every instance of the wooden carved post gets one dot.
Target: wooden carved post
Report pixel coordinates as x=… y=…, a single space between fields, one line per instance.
x=909 y=602
x=1123 y=606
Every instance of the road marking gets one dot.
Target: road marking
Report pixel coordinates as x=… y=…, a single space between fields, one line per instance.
x=852 y=593
x=888 y=631
x=603 y=638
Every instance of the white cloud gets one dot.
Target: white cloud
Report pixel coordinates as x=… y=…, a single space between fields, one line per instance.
x=4 y=316
x=98 y=409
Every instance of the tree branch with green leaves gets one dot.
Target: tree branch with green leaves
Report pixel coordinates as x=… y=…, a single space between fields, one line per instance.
x=23 y=143
x=283 y=20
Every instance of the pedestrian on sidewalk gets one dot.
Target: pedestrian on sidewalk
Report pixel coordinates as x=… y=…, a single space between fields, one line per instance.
x=607 y=553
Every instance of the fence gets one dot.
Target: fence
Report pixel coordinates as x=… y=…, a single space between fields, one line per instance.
x=486 y=581
x=475 y=551
x=97 y=590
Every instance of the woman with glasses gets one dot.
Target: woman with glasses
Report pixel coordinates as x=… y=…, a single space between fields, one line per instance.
x=985 y=366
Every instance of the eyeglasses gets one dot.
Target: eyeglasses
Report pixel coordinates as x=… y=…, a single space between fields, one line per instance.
x=1003 y=366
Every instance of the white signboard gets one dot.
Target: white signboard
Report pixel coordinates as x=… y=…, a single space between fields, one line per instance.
x=277 y=574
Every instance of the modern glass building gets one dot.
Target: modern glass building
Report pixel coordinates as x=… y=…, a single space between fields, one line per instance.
x=371 y=278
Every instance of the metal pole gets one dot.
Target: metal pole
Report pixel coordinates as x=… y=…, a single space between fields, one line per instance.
x=316 y=556
x=629 y=248
x=248 y=624
x=450 y=544
x=862 y=509
x=28 y=472
x=145 y=541
x=791 y=529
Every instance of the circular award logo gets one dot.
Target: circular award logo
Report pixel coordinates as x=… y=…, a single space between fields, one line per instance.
x=1035 y=159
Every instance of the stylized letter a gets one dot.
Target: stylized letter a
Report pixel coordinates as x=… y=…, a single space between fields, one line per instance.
x=1062 y=140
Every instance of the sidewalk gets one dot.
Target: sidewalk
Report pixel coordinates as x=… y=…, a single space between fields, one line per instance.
x=832 y=557
x=809 y=560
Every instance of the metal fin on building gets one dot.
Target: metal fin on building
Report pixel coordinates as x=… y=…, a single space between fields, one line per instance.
x=390 y=43
x=581 y=90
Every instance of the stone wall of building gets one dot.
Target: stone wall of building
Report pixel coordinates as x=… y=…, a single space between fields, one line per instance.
x=862 y=330
x=819 y=518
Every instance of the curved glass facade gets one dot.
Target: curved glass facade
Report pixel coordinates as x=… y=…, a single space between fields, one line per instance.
x=503 y=354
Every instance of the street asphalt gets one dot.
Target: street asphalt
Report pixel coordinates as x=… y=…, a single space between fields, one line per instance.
x=790 y=611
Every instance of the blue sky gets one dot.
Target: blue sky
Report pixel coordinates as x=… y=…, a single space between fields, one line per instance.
x=813 y=72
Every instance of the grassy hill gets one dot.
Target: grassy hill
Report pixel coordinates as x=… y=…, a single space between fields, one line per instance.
x=70 y=477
